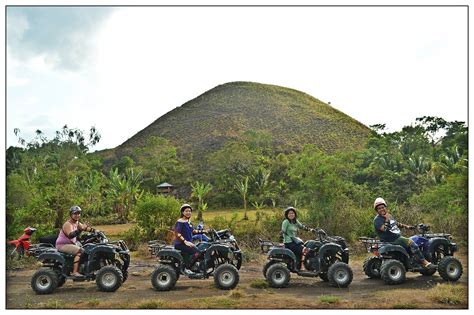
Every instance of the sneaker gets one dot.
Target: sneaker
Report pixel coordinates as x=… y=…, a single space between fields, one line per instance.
x=430 y=266
x=187 y=272
x=77 y=275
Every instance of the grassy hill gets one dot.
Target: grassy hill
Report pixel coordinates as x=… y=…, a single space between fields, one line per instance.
x=292 y=118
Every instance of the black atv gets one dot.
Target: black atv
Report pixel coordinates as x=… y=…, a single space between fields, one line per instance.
x=216 y=259
x=103 y=261
x=391 y=262
x=223 y=237
x=326 y=257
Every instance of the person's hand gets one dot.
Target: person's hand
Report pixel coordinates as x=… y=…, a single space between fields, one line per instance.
x=189 y=244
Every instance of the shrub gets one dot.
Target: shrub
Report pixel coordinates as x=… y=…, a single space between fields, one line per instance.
x=155 y=215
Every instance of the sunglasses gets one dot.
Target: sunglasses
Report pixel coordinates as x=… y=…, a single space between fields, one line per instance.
x=76 y=213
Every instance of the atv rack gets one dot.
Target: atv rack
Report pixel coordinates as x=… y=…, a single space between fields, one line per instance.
x=266 y=245
x=370 y=243
x=155 y=246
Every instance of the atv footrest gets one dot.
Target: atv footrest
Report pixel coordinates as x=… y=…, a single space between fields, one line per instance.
x=76 y=279
x=196 y=276
x=307 y=273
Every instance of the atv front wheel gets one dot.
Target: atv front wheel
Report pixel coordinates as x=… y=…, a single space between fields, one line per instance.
x=324 y=276
x=109 y=278
x=340 y=275
x=163 y=278
x=392 y=272
x=44 y=281
x=450 y=268
x=278 y=276
x=226 y=277
x=372 y=267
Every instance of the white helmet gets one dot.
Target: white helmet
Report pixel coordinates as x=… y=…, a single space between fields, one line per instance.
x=379 y=201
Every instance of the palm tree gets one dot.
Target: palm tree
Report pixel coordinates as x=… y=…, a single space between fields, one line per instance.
x=243 y=188
x=199 y=190
x=125 y=191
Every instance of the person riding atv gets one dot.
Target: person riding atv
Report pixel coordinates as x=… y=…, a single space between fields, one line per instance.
x=67 y=242
x=194 y=261
x=324 y=256
x=387 y=229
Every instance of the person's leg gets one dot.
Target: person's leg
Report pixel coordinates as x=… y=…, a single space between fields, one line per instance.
x=76 y=251
x=413 y=248
x=191 y=254
x=297 y=249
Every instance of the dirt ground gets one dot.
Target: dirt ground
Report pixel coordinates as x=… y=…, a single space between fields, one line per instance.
x=302 y=293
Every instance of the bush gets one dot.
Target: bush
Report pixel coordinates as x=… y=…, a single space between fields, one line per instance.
x=155 y=215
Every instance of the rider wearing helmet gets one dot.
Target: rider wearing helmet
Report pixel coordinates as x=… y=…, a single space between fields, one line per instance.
x=289 y=229
x=388 y=230
x=183 y=231
x=67 y=242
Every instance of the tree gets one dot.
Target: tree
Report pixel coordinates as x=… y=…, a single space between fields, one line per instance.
x=199 y=190
x=243 y=187
x=125 y=191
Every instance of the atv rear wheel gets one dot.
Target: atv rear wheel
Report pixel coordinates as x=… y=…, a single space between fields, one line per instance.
x=226 y=277
x=109 y=279
x=44 y=281
x=392 y=272
x=450 y=268
x=340 y=275
x=372 y=267
x=163 y=278
x=267 y=265
x=278 y=275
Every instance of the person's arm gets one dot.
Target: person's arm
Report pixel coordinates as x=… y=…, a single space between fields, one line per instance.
x=302 y=226
x=284 y=226
x=67 y=230
x=178 y=230
x=86 y=228
x=381 y=223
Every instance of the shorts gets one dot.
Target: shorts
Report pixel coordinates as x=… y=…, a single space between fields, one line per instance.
x=70 y=249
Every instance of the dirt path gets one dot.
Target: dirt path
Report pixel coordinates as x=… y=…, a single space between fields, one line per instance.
x=137 y=292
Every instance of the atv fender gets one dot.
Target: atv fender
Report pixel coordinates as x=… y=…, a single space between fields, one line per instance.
x=52 y=256
x=281 y=252
x=221 y=249
x=434 y=242
x=333 y=248
x=391 y=248
x=170 y=253
x=101 y=250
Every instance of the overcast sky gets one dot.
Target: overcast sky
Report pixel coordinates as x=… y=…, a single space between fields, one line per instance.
x=119 y=69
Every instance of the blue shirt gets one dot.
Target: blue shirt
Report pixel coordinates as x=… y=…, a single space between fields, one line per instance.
x=390 y=234
x=185 y=229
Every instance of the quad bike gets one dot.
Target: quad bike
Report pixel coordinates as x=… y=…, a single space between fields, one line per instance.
x=391 y=262
x=203 y=241
x=326 y=257
x=216 y=260
x=103 y=261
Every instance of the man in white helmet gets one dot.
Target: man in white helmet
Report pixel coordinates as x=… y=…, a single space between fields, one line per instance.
x=388 y=230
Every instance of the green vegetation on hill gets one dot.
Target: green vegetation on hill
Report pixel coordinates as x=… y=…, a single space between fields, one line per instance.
x=291 y=118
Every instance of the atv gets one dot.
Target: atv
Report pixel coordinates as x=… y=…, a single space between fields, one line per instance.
x=103 y=261
x=391 y=262
x=326 y=257
x=216 y=260
x=223 y=237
